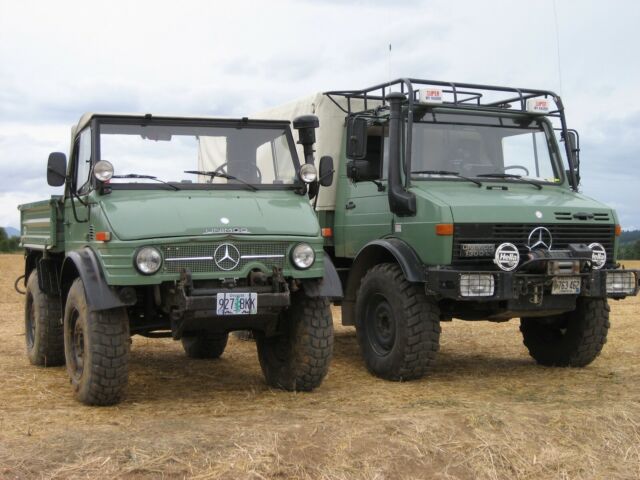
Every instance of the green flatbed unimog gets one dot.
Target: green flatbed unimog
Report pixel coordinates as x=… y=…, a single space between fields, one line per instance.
x=178 y=227
x=457 y=200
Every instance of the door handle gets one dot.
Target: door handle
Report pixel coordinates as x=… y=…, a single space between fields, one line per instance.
x=350 y=206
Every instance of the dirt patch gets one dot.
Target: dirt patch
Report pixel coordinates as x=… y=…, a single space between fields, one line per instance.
x=486 y=411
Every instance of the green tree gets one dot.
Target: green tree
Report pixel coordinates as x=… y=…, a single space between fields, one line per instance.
x=8 y=244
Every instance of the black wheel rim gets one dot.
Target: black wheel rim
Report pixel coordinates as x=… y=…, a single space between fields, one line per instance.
x=30 y=323
x=77 y=345
x=381 y=325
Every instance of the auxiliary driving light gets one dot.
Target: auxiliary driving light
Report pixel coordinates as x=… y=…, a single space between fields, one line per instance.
x=148 y=260
x=103 y=171
x=303 y=256
x=621 y=282
x=476 y=285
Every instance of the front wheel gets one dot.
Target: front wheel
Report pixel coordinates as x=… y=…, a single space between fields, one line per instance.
x=397 y=325
x=96 y=346
x=298 y=359
x=572 y=339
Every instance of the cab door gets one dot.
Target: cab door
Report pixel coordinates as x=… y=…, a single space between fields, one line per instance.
x=362 y=211
x=77 y=214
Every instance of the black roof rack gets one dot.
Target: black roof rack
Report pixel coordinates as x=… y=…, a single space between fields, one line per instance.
x=455 y=94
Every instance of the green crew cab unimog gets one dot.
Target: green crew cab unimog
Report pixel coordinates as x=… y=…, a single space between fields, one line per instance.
x=457 y=200
x=178 y=227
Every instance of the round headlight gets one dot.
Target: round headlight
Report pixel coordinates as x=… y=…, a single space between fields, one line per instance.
x=148 y=260
x=308 y=173
x=103 y=171
x=303 y=255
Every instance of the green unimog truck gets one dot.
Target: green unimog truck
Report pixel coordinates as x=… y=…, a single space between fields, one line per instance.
x=457 y=200
x=179 y=227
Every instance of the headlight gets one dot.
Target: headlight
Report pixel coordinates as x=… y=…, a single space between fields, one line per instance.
x=308 y=173
x=103 y=171
x=303 y=256
x=148 y=260
x=476 y=285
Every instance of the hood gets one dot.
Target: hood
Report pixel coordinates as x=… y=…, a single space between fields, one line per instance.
x=135 y=215
x=520 y=203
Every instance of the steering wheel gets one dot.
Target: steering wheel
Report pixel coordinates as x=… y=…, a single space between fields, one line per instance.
x=222 y=169
x=520 y=167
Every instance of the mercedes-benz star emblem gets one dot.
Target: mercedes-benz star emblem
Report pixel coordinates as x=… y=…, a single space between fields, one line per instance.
x=540 y=237
x=226 y=256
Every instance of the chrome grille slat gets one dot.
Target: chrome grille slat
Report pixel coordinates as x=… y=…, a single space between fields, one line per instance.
x=199 y=258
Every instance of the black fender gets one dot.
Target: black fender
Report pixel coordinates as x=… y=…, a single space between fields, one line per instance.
x=84 y=264
x=328 y=286
x=382 y=250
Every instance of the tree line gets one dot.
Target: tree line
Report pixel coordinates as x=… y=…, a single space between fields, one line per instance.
x=7 y=243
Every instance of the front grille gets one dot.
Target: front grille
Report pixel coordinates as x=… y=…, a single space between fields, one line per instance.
x=518 y=234
x=199 y=258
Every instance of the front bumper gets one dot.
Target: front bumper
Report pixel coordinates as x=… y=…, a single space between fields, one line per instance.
x=446 y=283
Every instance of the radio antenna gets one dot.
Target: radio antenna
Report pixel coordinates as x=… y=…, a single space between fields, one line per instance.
x=389 y=65
x=555 y=17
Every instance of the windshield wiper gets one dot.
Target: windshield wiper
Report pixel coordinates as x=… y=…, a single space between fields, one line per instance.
x=214 y=174
x=146 y=177
x=513 y=176
x=446 y=172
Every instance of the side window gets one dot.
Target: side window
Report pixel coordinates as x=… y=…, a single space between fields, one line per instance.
x=83 y=162
x=377 y=151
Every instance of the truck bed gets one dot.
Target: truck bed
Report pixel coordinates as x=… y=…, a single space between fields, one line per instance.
x=41 y=225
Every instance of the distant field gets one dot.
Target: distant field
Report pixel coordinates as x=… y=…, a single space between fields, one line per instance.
x=487 y=411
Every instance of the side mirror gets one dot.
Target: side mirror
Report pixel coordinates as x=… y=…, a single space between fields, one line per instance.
x=56 y=169
x=306 y=126
x=573 y=140
x=363 y=170
x=357 y=138
x=326 y=171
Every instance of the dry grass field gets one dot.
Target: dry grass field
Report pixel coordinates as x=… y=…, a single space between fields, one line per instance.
x=487 y=412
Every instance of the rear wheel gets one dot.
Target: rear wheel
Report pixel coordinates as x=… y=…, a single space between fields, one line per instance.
x=96 y=348
x=299 y=358
x=205 y=344
x=397 y=325
x=43 y=326
x=573 y=339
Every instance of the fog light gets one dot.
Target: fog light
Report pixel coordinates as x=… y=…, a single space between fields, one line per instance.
x=621 y=282
x=476 y=285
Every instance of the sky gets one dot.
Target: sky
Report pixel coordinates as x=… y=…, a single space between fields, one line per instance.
x=60 y=59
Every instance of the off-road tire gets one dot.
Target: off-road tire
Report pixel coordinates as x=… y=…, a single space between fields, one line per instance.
x=298 y=359
x=96 y=348
x=397 y=325
x=573 y=339
x=43 y=326
x=205 y=344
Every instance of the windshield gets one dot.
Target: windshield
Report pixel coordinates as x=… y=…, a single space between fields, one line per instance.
x=214 y=155
x=481 y=147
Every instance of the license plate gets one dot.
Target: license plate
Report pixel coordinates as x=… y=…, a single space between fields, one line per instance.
x=565 y=286
x=236 y=303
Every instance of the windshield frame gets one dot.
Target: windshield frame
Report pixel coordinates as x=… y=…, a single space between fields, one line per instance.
x=545 y=124
x=167 y=121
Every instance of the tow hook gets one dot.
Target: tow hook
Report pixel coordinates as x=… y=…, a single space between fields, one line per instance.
x=15 y=285
x=536 y=298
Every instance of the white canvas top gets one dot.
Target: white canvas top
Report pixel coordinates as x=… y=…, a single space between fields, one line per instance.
x=328 y=137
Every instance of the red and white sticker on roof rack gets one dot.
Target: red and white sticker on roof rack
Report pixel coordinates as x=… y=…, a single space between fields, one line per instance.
x=538 y=105
x=430 y=96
